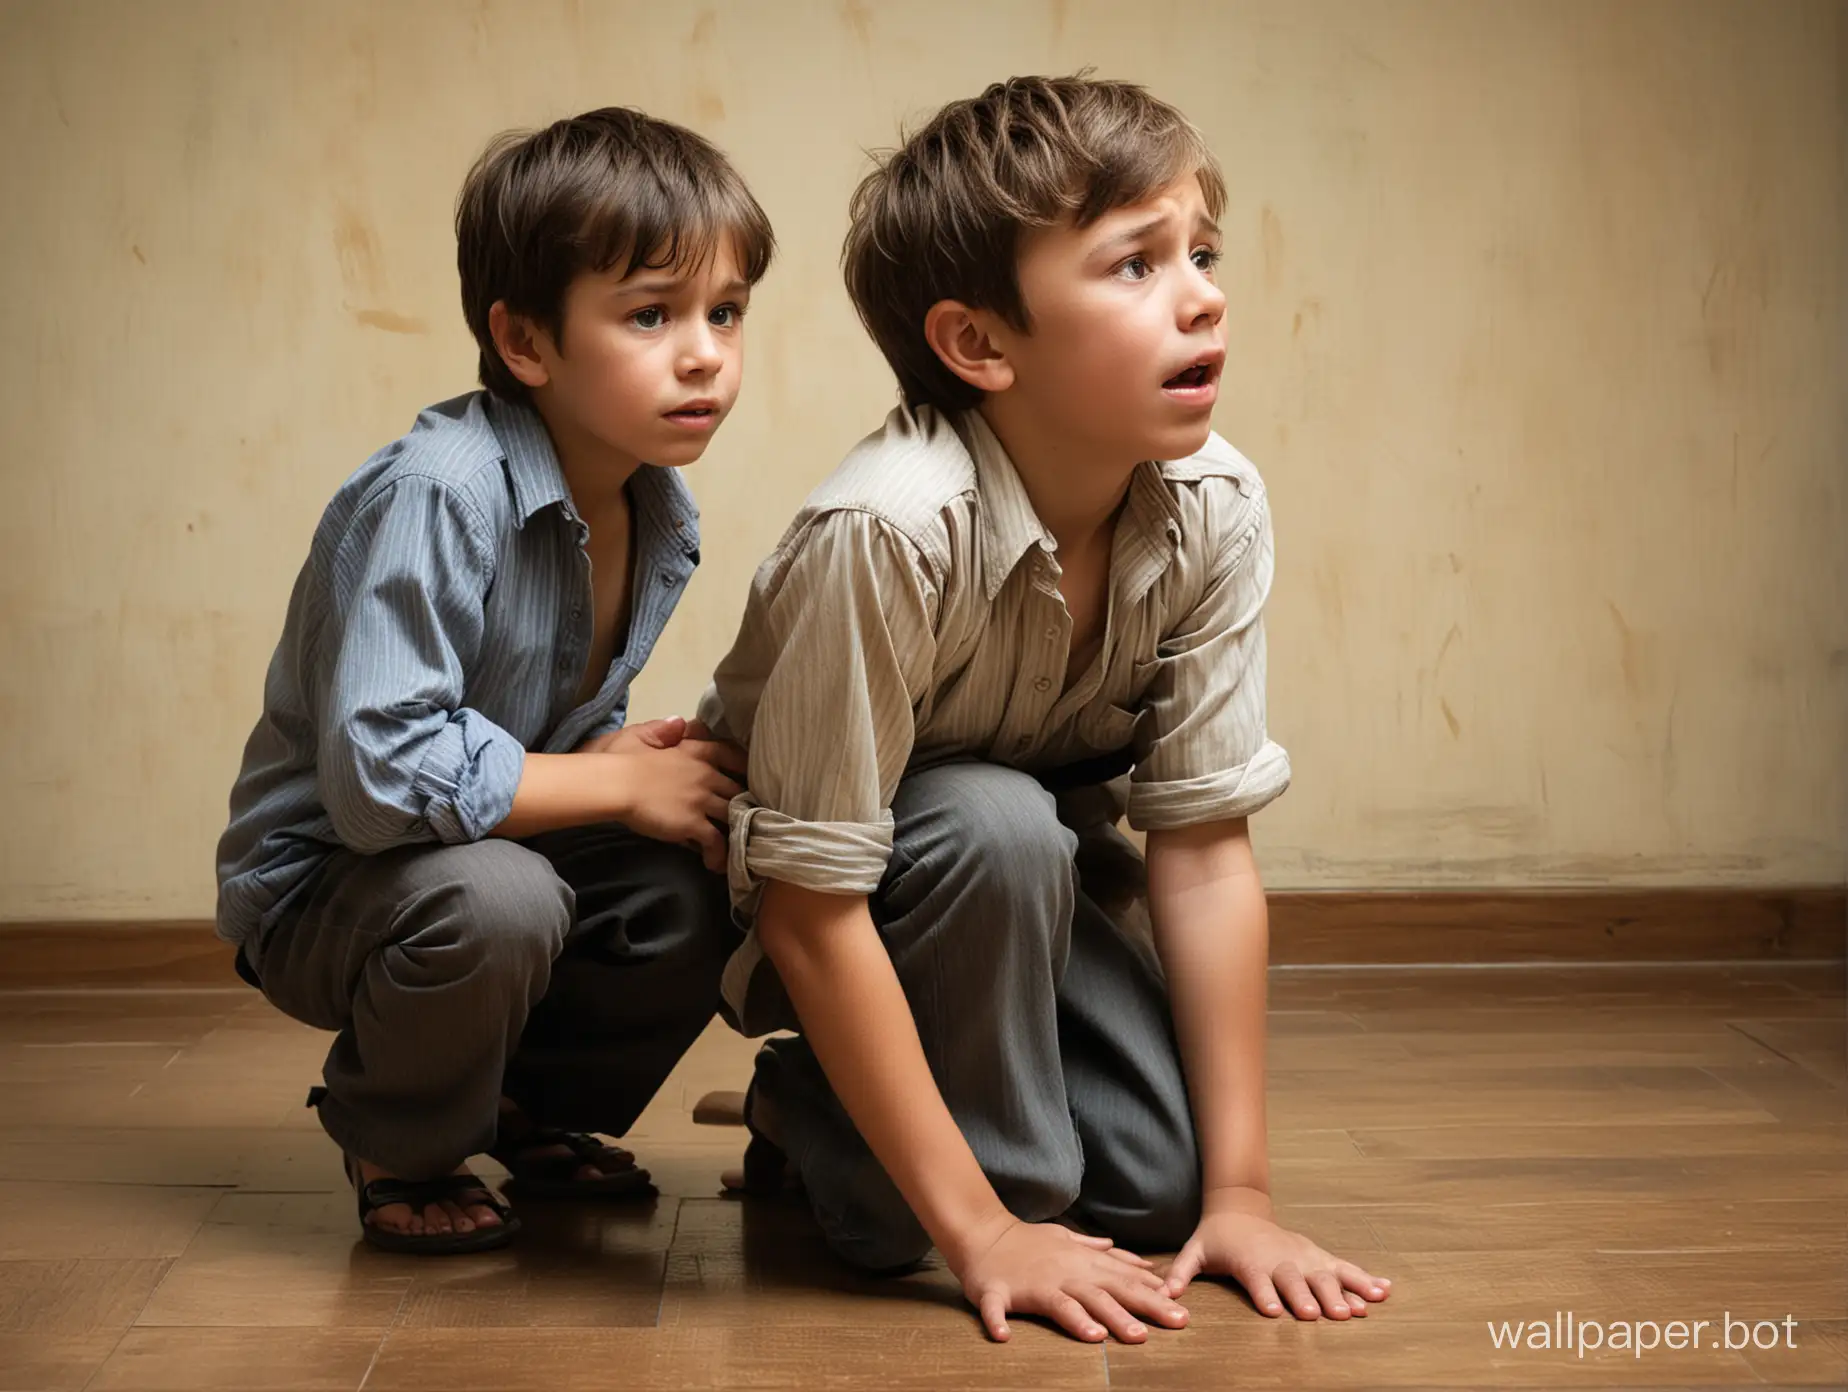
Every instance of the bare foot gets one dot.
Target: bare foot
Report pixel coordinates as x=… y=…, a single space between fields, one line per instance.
x=445 y=1216
x=766 y=1169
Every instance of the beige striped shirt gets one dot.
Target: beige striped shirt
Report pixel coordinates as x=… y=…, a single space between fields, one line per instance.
x=911 y=616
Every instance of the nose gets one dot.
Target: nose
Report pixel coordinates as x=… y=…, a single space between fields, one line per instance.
x=700 y=354
x=1202 y=302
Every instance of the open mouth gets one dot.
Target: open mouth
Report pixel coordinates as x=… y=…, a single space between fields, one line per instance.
x=1199 y=375
x=694 y=415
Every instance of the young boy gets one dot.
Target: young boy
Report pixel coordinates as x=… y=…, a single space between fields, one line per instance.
x=995 y=607
x=444 y=844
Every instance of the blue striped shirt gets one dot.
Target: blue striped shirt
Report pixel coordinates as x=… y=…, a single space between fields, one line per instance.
x=439 y=630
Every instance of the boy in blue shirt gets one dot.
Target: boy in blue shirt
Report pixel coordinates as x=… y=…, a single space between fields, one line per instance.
x=444 y=844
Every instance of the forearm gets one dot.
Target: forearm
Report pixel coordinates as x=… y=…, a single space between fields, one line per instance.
x=855 y=1016
x=1212 y=934
x=563 y=790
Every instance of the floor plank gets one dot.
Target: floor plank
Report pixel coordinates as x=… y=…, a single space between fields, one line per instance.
x=921 y=1359
x=237 y=1360
x=1613 y=1226
x=280 y=1261
x=1380 y=1351
x=53 y=1363
x=40 y=1222
x=1592 y=1136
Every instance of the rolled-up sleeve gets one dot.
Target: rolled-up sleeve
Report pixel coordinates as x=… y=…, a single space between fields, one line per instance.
x=401 y=760
x=839 y=624
x=1209 y=757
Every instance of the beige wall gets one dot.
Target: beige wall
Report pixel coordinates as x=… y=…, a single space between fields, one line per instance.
x=1537 y=331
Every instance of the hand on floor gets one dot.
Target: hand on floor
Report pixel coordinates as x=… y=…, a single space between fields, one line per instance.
x=1086 y=1285
x=1277 y=1267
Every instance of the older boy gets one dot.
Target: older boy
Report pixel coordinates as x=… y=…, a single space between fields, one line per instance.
x=443 y=844
x=994 y=607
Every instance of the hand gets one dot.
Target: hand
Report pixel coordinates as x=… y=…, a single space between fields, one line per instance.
x=1237 y=1238
x=656 y=734
x=1086 y=1285
x=677 y=782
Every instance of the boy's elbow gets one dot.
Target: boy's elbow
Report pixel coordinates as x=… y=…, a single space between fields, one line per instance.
x=793 y=922
x=366 y=828
x=780 y=930
x=367 y=818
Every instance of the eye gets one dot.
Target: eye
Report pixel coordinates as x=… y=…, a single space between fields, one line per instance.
x=1206 y=258
x=651 y=318
x=1136 y=268
x=727 y=316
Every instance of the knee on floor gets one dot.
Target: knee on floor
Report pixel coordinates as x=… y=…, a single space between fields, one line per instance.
x=1153 y=1208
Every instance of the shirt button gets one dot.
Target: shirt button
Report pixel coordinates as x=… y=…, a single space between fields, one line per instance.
x=1052 y=635
x=666 y=578
x=1041 y=683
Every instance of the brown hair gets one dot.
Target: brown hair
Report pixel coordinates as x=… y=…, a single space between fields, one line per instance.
x=940 y=217
x=611 y=186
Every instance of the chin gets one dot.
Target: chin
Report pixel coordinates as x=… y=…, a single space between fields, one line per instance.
x=672 y=453
x=1177 y=442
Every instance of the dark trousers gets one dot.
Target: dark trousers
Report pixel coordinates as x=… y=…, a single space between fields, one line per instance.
x=1045 y=1022
x=569 y=972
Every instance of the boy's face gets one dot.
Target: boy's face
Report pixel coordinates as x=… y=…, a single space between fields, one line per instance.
x=1127 y=344
x=647 y=364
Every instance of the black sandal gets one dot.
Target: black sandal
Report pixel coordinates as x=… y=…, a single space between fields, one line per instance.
x=463 y=1188
x=556 y=1176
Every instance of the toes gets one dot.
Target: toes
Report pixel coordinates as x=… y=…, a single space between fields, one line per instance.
x=392 y=1218
x=459 y=1221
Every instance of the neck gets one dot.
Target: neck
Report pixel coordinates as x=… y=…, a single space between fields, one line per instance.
x=1075 y=489
x=597 y=473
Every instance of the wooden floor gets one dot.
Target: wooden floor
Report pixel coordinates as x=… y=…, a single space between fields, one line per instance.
x=1625 y=1144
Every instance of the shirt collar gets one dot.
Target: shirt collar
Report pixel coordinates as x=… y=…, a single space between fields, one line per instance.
x=532 y=464
x=1148 y=536
x=1152 y=503
x=661 y=498
x=538 y=480
x=1009 y=524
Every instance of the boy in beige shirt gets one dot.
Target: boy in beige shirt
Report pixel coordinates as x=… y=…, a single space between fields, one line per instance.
x=992 y=611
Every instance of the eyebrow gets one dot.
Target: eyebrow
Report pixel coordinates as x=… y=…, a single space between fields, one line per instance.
x=669 y=287
x=1141 y=230
x=1132 y=234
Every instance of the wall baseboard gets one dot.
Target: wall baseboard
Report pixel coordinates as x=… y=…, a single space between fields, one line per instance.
x=1308 y=928
x=1450 y=927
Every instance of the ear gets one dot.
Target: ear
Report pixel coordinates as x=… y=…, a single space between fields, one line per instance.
x=967 y=342
x=518 y=339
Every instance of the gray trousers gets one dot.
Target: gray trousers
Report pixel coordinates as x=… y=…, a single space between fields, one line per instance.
x=569 y=972
x=1045 y=1023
